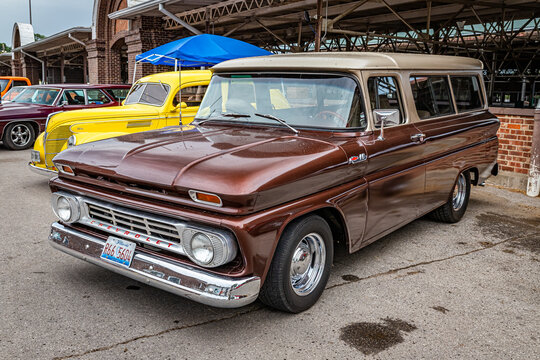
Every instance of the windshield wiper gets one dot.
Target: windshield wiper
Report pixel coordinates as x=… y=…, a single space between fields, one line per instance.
x=281 y=121
x=235 y=115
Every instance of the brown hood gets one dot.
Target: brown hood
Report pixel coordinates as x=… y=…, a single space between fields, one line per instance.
x=253 y=167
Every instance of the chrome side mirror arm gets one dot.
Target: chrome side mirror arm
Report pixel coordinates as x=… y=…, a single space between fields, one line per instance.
x=381 y=135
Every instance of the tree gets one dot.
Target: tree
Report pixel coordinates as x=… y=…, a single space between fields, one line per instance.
x=38 y=37
x=4 y=48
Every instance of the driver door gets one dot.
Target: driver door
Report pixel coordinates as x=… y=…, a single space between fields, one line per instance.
x=395 y=171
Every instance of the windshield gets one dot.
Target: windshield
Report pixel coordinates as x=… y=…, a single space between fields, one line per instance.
x=3 y=84
x=148 y=93
x=42 y=96
x=305 y=100
x=12 y=93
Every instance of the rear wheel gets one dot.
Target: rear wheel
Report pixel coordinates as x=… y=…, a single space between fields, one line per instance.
x=19 y=136
x=300 y=267
x=456 y=206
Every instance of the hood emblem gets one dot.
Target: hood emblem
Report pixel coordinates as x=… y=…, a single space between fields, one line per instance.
x=357 y=159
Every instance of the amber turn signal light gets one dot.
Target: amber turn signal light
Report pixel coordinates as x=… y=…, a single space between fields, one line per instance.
x=205 y=198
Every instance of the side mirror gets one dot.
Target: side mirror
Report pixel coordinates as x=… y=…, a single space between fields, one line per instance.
x=64 y=103
x=123 y=102
x=382 y=117
x=183 y=105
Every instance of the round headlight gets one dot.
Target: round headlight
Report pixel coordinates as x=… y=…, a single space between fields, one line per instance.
x=202 y=248
x=72 y=141
x=63 y=208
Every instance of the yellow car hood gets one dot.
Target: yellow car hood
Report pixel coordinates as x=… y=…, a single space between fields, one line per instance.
x=133 y=112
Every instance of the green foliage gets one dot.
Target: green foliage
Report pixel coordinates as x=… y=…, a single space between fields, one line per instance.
x=4 y=48
x=38 y=37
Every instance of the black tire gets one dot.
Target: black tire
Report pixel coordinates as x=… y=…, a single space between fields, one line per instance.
x=277 y=291
x=19 y=136
x=455 y=208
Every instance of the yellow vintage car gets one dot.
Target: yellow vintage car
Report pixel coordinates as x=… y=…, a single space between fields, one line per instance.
x=152 y=103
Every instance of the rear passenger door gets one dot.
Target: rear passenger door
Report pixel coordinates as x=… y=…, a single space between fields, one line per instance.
x=446 y=127
x=395 y=171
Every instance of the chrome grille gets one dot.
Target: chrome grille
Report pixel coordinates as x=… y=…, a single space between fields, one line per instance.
x=54 y=142
x=143 y=225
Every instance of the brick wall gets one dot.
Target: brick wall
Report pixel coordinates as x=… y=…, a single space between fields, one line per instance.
x=515 y=138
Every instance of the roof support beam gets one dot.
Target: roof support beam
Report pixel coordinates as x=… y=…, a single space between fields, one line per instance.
x=178 y=20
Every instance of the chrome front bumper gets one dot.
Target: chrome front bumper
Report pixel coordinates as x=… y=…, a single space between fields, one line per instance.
x=177 y=278
x=42 y=171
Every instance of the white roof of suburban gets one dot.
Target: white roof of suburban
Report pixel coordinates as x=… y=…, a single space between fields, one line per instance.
x=351 y=61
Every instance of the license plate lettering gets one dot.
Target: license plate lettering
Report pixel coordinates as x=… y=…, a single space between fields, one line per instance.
x=118 y=251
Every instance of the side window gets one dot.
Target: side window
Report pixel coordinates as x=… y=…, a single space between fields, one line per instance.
x=97 y=97
x=118 y=94
x=73 y=97
x=192 y=95
x=384 y=95
x=467 y=93
x=431 y=96
x=19 y=83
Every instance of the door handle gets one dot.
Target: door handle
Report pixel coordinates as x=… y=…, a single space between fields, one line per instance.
x=419 y=138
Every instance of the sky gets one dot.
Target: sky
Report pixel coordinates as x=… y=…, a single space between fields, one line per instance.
x=48 y=16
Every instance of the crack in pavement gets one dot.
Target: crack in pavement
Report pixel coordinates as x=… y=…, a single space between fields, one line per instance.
x=109 y=347
x=257 y=308
x=393 y=271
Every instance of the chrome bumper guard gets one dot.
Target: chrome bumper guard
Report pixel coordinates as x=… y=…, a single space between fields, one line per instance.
x=171 y=276
x=42 y=171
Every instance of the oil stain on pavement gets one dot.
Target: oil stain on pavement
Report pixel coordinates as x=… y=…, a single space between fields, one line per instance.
x=372 y=338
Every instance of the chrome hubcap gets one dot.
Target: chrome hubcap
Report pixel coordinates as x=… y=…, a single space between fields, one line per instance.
x=307 y=265
x=20 y=135
x=460 y=189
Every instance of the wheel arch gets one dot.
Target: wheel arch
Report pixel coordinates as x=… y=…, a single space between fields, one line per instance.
x=33 y=123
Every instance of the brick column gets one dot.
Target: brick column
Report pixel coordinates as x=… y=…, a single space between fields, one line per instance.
x=148 y=34
x=16 y=67
x=31 y=69
x=97 y=62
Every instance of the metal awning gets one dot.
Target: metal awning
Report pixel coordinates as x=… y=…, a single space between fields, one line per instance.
x=74 y=36
x=151 y=8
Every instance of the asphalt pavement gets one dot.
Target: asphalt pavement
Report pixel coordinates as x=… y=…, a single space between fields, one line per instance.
x=469 y=290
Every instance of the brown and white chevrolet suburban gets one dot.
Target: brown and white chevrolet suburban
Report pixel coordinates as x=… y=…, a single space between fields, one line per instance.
x=288 y=155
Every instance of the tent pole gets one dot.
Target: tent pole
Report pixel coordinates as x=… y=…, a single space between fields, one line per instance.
x=134 y=72
x=180 y=90
x=175 y=64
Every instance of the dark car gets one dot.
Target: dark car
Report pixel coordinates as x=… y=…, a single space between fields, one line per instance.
x=24 y=117
x=288 y=156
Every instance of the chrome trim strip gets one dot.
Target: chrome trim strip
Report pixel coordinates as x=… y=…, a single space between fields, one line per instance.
x=172 y=276
x=42 y=171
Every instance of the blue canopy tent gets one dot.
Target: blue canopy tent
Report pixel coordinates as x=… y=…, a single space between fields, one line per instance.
x=198 y=50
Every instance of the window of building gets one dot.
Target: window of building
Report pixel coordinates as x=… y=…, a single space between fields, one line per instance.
x=466 y=92
x=384 y=95
x=73 y=97
x=97 y=97
x=431 y=96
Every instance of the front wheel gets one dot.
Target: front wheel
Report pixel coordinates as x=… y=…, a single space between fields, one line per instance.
x=19 y=136
x=454 y=209
x=300 y=267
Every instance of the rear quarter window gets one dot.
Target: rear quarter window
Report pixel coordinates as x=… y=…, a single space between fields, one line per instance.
x=431 y=96
x=467 y=93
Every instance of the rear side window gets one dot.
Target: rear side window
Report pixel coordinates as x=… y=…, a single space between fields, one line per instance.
x=118 y=94
x=431 y=96
x=384 y=95
x=97 y=97
x=192 y=95
x=20 y=83
x=467 y=93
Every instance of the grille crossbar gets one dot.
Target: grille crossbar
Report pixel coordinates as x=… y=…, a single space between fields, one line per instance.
x=140 y=224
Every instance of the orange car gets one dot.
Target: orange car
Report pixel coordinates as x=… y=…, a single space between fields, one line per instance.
x=6 y=82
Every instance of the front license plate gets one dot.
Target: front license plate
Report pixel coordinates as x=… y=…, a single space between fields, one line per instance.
x=118 y=251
